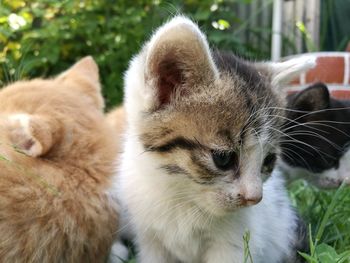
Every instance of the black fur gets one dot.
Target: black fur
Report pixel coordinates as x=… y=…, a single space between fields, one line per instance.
x=327 y=122
x=302 y=242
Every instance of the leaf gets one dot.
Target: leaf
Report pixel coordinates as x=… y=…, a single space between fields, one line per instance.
x=225 y=24
x=326 y=253
x=309 y=258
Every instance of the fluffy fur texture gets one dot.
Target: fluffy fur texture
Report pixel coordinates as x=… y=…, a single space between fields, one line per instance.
x=57 y=161
x=316 y=145
x=201 y=137
x=116 y=119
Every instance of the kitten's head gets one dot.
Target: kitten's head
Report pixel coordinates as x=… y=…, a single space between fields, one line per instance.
x=57 y=118
x=207 y=120
x=318 y=135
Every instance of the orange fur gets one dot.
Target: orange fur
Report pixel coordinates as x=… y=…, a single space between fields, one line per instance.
x=56 y=165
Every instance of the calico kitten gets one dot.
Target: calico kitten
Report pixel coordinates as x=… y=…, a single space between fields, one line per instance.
x=201 y=137
x=57 y=161
x=315 y=146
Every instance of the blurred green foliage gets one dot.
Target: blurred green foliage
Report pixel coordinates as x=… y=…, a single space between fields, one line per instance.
x=44 y=37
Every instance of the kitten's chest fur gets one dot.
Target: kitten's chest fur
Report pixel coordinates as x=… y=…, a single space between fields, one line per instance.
x=184 y=229
x=191 y=237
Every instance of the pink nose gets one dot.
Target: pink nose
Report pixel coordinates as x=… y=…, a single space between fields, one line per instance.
x=249 y=200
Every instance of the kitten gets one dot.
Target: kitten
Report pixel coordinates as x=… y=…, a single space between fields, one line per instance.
x=116 y=119
x=315 y=146
x=56 y=167
x=200 y=138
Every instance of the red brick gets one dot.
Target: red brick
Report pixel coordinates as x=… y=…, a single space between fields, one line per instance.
x=328 y=70
x=341 y=94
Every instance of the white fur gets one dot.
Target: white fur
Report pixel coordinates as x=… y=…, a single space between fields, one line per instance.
x=119 y=253
x=170 y=225
x=344 y=167
x=283 y=72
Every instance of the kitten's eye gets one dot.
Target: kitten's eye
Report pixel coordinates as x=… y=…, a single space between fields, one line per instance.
x=269 y=163
x=225 y=160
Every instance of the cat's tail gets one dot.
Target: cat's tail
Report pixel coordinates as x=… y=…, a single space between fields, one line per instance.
x=281 y=73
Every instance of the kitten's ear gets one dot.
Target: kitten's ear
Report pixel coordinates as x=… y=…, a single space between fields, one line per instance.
x=84 y=76
x=31 y=135
x=281 y=73
x=313 y=98
x=177 y=59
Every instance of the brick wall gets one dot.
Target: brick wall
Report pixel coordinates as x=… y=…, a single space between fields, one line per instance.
x=333 y=68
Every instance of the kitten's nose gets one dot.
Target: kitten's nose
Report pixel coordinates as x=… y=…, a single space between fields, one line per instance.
x=251 y=190
x=248 y=200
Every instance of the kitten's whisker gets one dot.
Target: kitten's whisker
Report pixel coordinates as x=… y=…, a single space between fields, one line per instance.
x=310 y=112
x=293 y=121
x=316 y=135
x=301 y=142
x=320 y=111
x=301 y=158
x=318 y=151
x=298 y=124
x=336 y=122
x=292 y=143
x=321 y=123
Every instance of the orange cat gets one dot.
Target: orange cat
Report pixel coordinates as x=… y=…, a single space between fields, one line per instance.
x=56 y=164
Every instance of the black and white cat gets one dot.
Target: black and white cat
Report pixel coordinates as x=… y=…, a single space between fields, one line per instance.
x=200 y=139
x=316 y=144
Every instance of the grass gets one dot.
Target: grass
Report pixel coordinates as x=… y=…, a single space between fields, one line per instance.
x=327 y=212
x=247 y=256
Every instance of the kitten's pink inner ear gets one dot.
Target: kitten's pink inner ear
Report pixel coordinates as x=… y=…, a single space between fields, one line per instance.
x=178 y=60
x=170 y=77
x=30 y=135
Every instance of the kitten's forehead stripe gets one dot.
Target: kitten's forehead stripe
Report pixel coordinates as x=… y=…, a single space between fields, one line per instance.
x=178 y=142
x=174 y=169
